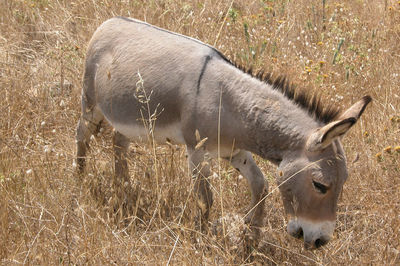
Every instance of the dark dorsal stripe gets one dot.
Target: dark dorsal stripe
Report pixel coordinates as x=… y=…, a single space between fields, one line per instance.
x=203 y=69
x=310 y=102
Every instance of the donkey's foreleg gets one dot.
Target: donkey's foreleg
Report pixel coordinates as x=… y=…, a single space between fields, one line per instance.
x=245 y=164
x=201 y=172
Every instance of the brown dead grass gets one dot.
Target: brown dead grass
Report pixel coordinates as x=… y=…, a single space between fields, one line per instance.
x=47 y=216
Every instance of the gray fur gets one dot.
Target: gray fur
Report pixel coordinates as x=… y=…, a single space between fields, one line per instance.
x=185 y=81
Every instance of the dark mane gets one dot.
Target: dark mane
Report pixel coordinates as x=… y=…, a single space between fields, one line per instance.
x=309 y=102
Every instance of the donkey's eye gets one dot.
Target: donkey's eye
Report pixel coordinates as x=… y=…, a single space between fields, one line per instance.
x=320 y=187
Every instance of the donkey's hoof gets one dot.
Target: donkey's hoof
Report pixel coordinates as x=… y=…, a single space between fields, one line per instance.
x=251 y=239
x=201 y=225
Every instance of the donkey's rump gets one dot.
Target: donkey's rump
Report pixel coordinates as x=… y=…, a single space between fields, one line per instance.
x=124 y=52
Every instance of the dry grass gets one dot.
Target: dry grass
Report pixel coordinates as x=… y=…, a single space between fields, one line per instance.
x=47 y=216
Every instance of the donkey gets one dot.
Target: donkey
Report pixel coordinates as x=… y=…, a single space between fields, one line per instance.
x=199 y=95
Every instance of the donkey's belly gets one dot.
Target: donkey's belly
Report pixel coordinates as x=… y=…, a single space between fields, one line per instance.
x=171 y=132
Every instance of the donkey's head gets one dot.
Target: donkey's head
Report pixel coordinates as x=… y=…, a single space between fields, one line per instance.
x=311 y=179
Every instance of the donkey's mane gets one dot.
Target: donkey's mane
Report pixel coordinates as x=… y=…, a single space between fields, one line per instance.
x=310 y=102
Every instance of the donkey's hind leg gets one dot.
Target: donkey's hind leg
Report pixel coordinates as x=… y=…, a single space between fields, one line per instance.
x=201 y=172
x=120 y=145
x=88 y=125
x=124 y=195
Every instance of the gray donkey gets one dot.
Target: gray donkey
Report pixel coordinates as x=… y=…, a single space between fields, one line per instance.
x=197 y=95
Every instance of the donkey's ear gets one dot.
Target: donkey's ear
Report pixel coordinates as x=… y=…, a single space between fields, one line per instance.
x=324 y=136
x=356 y=109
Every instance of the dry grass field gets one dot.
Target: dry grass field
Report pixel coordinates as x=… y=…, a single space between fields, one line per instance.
x=343 y=49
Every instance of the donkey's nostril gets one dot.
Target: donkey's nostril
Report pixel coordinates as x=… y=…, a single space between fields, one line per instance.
x=320 y=242
x=299 y=233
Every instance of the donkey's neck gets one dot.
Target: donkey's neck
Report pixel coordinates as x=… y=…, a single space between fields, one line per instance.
x=272 y=124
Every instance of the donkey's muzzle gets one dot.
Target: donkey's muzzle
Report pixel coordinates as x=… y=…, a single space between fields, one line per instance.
x=317 y=243
x=315 y=234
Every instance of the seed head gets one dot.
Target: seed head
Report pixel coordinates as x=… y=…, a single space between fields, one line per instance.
x=388 y=149
x=379 y=156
